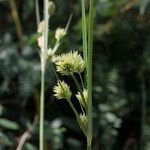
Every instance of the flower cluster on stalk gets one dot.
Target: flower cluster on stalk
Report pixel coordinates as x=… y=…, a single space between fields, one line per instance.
x=69 y=64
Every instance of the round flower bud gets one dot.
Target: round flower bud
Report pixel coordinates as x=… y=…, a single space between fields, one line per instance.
x=62 y=91
x=51 y=7
x=60 y=33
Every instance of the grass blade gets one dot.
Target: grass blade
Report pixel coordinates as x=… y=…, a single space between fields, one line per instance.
x=89 y=74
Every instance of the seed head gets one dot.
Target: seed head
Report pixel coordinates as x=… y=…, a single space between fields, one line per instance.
x=71 y=62
x=60 y=33
x=62 y=91
x=51 y=8
x=85 y=95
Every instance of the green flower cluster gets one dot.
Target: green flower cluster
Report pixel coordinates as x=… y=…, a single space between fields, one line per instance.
x=69 y=63
x=62 y=91
x=85 y=95
x=83 y=123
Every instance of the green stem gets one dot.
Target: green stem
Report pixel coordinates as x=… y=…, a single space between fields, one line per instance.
x=79 y=88
x=68 y=23
x=37 y=12
x=17 y=22
x=73 y=108
x=81 y=80
x=84 y=38
x=43 y=64
x=42 y=111
x=54 y=71
x=89 y=75
x=84 y=31
x=57 y=44
x=89 y=147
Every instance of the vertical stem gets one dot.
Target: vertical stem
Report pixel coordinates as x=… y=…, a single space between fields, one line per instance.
x=42 y=111
x=79 y=88
x=89 y=75
x=81 y=81
x=88 y=145
x=43 y=64
x=37 y=12
x=143 y=111
x=73 y=108
x=84 y=31
x=84 y=37
x=17 y=23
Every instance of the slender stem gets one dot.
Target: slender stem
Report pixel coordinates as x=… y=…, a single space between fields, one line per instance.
x=57 y=44
x=54 y=71
x=84 y=38
x=42 y=111
x=89 y=75
x=68 y=23
x=81 y=80
x=37 y=12
x=17 y=22
x=73 y=108
x=84 y=31
x=83 y=89
x=79 y=88
x=81 y=107
x=89 y=145
x=43 y=64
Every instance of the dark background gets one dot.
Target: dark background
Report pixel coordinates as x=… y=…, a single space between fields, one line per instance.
x=121 y=71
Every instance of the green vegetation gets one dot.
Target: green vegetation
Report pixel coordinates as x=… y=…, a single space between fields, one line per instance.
x=114 y=36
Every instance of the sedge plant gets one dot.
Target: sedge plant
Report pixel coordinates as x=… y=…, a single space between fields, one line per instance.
x=46 y=54
x=69 y=64
x=72 y=64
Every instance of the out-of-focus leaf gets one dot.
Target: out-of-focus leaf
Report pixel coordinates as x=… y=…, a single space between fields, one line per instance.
x=4 y=139
x=33 y=38
x=144 y=4
x=29 y=146
x=8 y=124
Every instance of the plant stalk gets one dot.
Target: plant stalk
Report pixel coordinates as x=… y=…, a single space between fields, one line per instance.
x=80 y=90
x=42 y=111
x=17 y=22
x=43 y=64
x=89 y=145
x=89 y=75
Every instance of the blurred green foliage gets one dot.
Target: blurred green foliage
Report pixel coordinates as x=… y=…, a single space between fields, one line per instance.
x=121 y=70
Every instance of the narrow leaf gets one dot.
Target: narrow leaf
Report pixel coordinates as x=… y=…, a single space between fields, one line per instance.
x=8 y=124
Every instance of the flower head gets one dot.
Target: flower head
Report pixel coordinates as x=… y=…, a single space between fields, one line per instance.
x=50 y=54
x=83 y=122
x=62 y=90
x=41 y=41
x=71 y=62
x=85 y=95
x=60 y=33
x=41 y=27
x=51 y=7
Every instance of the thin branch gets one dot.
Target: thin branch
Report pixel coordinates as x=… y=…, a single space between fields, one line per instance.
x=17 y=22
x=27 y=134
